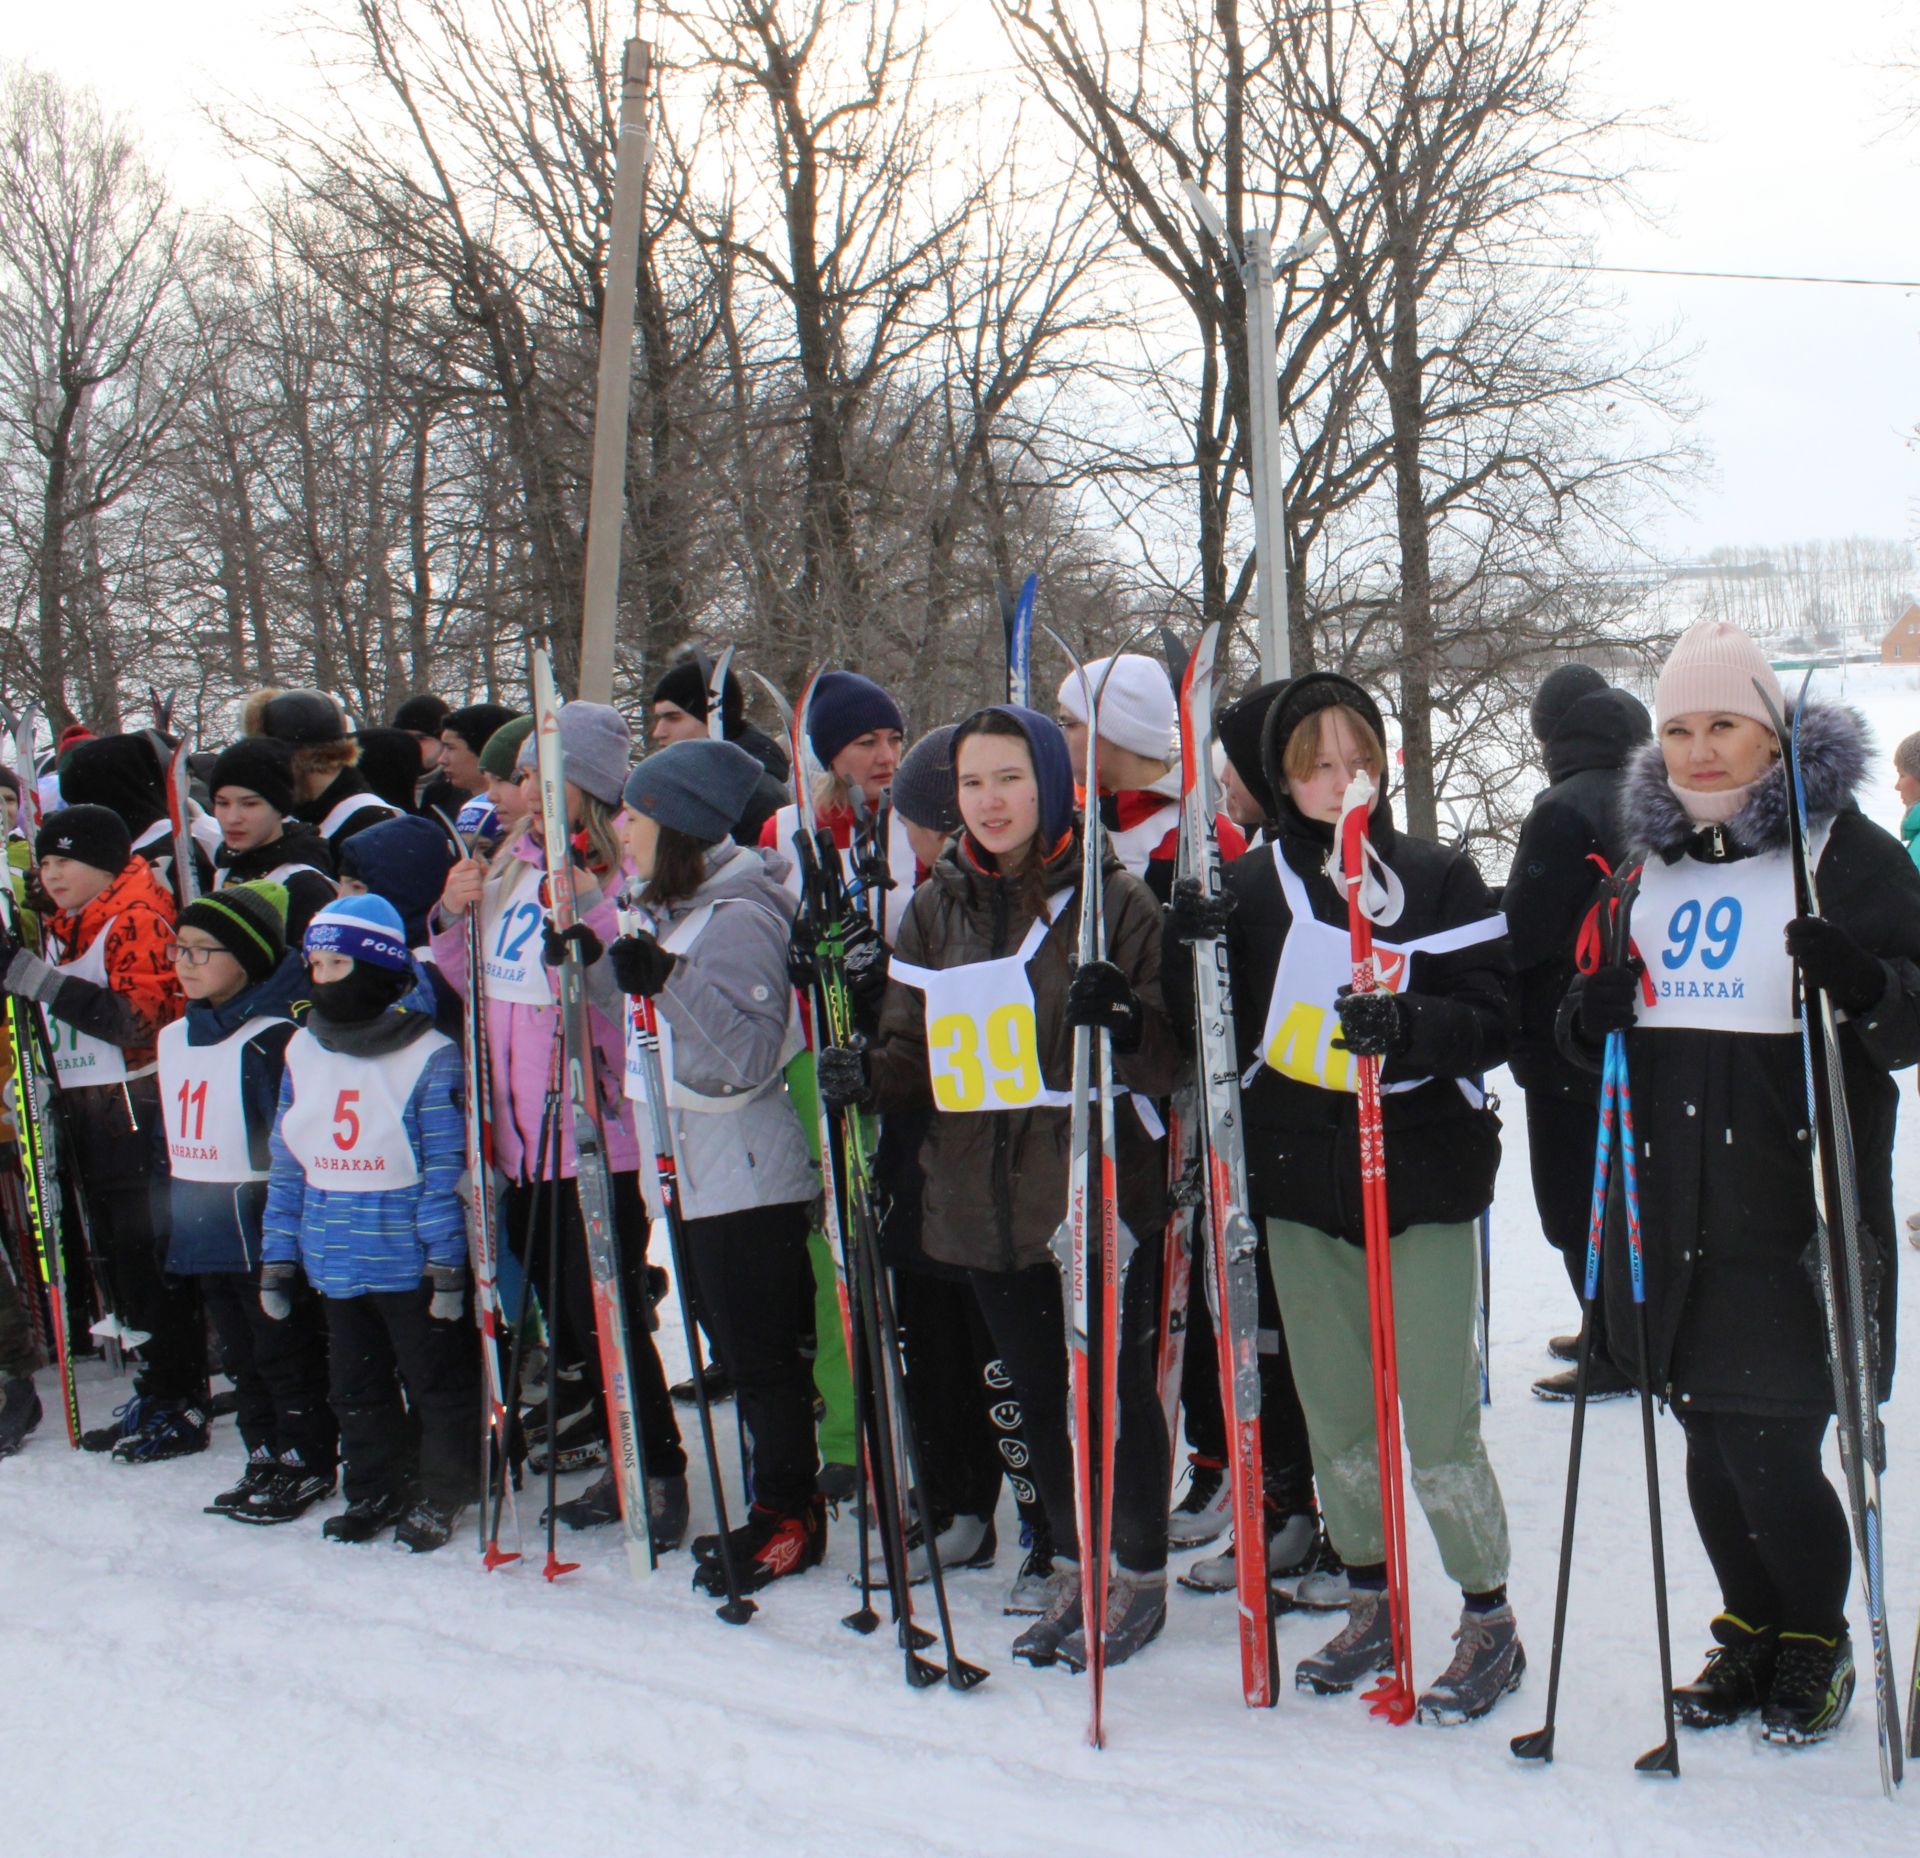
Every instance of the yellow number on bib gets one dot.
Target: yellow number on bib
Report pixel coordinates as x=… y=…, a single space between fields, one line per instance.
x=1294 y=1050
x=960 y=1084
x=1012 y=1043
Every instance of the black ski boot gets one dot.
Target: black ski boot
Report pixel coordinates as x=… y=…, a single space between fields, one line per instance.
x=428 y=1526
x=1136 y=1616
x=768 y=1546
x=719 y=1388
x=19 y=1413
x=1736 y=1678
x=172 y=1429
x=259 y=1473
x=364 y=1518
x=128 y=1417
x=1812 y=1686
x=292 y=1490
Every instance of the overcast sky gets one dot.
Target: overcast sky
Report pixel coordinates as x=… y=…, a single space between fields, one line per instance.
x=1792 y=162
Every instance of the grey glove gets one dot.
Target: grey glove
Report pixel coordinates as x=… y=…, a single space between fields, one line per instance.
x=30 y=978
x=449 y=1283
x=276 y=1290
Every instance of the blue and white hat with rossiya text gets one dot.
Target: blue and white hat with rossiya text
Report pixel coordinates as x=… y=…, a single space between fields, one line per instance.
x=363 y=929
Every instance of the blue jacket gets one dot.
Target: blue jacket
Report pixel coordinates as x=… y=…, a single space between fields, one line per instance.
x=216 y=1224
x=352 y=1243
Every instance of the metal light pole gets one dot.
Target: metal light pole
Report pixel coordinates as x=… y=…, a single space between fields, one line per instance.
x=1257 y=269
x=607 y=493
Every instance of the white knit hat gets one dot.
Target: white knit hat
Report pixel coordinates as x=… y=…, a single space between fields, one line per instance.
x=1137 y=708
x=1714 y=668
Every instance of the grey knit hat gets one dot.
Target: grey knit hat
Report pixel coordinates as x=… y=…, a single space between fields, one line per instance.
x=598 y=747
x=699 y=787
x=924 y=792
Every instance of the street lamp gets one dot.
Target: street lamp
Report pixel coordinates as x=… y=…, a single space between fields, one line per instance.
x=1257 y=270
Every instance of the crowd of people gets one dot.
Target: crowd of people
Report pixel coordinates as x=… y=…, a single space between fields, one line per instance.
x=261 y=1084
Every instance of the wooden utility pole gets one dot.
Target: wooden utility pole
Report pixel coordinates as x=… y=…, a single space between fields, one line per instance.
x=607 y=496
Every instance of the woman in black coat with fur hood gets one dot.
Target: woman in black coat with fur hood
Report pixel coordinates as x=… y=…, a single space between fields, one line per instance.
x=1737 y=1339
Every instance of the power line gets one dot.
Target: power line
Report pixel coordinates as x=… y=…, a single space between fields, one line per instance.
x=1753 y=277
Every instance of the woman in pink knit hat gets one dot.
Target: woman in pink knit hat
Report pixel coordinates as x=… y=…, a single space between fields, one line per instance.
x=1736 y=1336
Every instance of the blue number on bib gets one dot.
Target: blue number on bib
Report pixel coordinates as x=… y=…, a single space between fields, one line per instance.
x=528 y=915
x=1721 y=922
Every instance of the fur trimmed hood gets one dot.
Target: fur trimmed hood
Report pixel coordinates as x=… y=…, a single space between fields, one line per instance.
x=1833 y=760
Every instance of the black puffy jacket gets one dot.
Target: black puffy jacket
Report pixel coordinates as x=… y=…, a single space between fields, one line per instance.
x=1726 y=1190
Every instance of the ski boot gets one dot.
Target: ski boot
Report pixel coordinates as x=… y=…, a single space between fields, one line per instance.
x=171 y=1429
x=259 y=1473
x=1488 y=1662
x=292 y=1490
x=1206 y=1508
x=128 y=1417
x=1736 y=1679
x=365 y=1517
x=1030 y=1592
x=1039 y=1644
x=20 y=1412
x=768 y=1546
x=1812 y=1686
x=1361 y=1649
x=1136 y=1615
x=1604 y=1382
x=962 y=1542
x=1293 y=1542
x=427 y=1526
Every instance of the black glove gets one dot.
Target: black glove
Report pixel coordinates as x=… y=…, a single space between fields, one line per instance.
x=640 y=965
x=449 y=1301
x=553 y=944
x=1100 y=995
x=841 y=1075
x=1608 y=997
x=800 y=955
x=276 y=1290
x=866 y=961
x=1834 y=962
x=1372 y=1025
x=1194 y=916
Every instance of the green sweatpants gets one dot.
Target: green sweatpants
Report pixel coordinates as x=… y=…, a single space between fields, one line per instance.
x=1322 y=1283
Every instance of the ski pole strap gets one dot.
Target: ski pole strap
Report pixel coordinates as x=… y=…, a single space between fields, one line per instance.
x=1362 y=874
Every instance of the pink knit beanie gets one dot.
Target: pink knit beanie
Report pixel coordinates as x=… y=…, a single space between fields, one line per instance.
x=1714 y=668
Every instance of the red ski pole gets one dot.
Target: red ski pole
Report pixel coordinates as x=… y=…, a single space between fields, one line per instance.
x=1393 y=1696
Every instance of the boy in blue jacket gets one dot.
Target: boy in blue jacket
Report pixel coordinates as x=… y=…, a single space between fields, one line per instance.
x=220 y=1073
x=367 y=1151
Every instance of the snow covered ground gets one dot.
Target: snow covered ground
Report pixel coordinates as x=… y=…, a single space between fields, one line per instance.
x=181 y=1687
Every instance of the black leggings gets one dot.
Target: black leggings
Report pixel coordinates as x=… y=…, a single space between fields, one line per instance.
x=1027 y=1320
x=756 y=1301
x=573 y=1322
x=1773 y=1527
x=278 y=1369
x=1561 y=1133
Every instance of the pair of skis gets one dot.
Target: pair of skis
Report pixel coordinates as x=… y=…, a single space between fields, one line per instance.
x=1852 y=1345
x=1615 y=1137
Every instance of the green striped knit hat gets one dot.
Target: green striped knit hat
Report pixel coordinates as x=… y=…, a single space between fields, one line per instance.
x=248 y=920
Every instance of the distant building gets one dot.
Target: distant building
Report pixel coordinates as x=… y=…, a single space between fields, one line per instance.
x=1902 y=643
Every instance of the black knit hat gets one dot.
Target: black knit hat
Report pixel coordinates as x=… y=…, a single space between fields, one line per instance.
x=1238 y=729
x=924 y=791
x=123 y=772
x=260 y=765
x=91 y=835
x=422 y=715
x=1306 y=696
x=303 y=718
x=685 y=687
x=476 y=724
x=1559 y=691
x=248 y=920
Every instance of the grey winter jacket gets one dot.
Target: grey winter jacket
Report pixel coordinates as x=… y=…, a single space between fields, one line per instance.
x=725 y=1010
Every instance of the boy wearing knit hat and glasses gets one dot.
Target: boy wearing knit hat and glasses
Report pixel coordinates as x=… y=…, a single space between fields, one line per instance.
x=220 y=1072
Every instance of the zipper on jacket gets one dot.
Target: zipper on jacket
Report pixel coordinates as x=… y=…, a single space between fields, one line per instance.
x=1002 y=1186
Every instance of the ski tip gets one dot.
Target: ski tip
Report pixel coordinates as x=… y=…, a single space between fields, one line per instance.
x=1535 y=1745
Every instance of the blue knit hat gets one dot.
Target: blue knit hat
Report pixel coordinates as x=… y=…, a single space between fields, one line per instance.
x=699 y=787
x=1052 y=767
x=844 y=707
x=365 y=929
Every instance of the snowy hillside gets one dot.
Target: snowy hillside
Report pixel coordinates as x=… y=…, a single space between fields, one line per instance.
x=183 y=1687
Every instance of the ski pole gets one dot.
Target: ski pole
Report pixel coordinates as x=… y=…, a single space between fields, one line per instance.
x=555 y=1567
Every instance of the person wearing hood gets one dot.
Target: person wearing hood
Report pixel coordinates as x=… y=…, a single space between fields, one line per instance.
x=128 y=773
x=1437 y=1024
x=1586 y=731
x=107 y=986
x=330 y=793
x=251 y=788
x=1737 y=1343
x=1137 y=764
x=367 y=1151
x=991 y=937
x=1906 y=783
x=710 y=952
x=407 y=861
x=221 y=1066
x=520 y=955
x=1245 y=797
